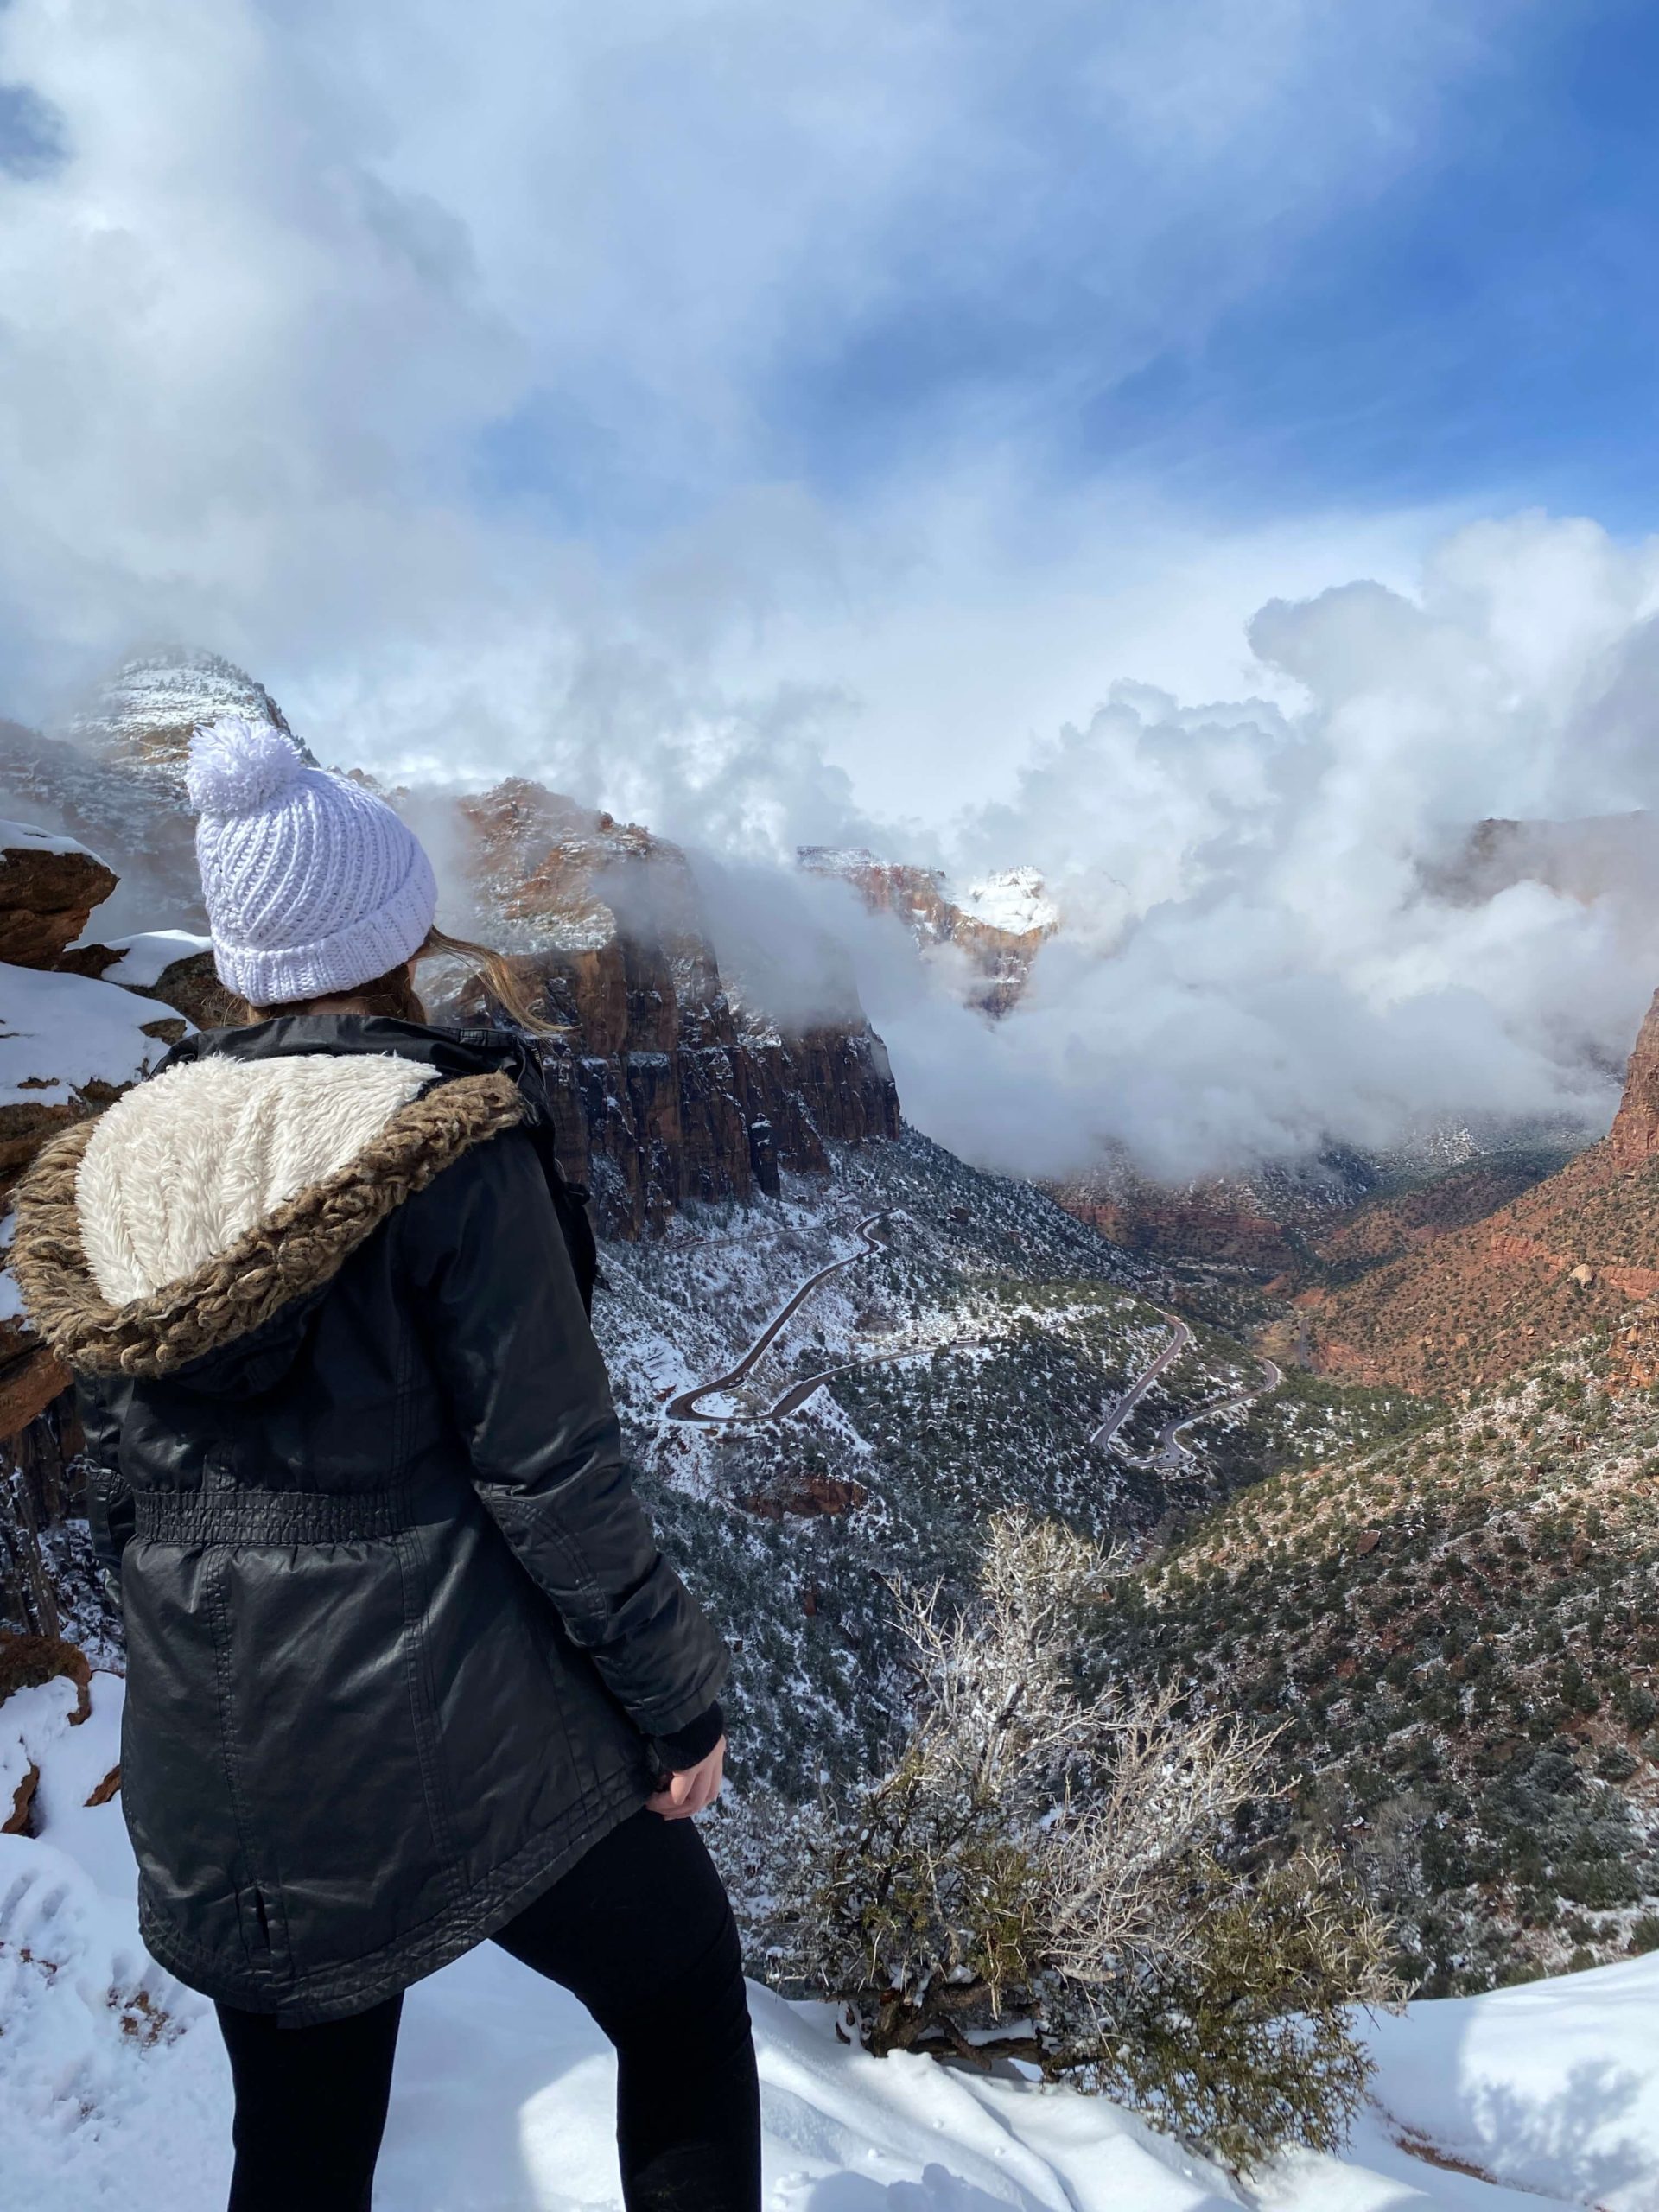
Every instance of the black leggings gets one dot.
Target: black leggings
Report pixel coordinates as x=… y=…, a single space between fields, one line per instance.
x=641 y=1930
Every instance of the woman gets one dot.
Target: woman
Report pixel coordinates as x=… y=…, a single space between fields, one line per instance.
x=405 y=1668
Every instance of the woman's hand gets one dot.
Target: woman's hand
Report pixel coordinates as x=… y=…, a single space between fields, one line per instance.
x=695 y=1790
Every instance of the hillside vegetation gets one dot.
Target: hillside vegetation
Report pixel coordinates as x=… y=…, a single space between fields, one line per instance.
x=1458 y=1635
x=969 y=1357
x=1463 y=1309
x=1483 y=1301
x=1400 y=1222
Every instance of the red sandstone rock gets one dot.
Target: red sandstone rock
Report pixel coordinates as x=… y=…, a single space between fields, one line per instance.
x=663 y=1089
x=1634 y=1137
x=808 y=1496
x=48 y=888
x=18 y=1820
x=26 y=1662
x=919 y=898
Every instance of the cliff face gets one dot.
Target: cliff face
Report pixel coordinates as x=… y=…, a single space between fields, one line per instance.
x=144 y=713
x=998 y=924
x=666 y=1088
x=1633 y=1140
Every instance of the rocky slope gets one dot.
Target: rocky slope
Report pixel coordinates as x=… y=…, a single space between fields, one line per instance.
x=1292 y=1226
x=997 y=924
x=144 y=714
x=1465 y=1308
x=961 y=1359
x=110 y=776
x=1261 y=1222
x=1455 y=1635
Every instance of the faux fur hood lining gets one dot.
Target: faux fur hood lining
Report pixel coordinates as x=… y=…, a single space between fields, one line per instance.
x=295 y=1250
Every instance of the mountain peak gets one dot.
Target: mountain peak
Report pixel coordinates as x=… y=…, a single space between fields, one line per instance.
x=144 y=714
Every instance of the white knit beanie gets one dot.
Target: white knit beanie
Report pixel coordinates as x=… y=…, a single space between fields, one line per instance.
x=312 y=884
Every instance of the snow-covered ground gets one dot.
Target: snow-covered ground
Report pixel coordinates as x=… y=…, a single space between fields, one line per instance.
x=113 y=2091
x=145 y=958
x=60 y=1032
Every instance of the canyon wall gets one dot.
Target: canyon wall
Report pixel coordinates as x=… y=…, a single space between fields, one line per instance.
x=665 y=1086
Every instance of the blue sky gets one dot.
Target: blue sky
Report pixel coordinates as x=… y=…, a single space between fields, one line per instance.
x=941 y=365
x=1487 y=326
x=786 y=422
x=1479 y=321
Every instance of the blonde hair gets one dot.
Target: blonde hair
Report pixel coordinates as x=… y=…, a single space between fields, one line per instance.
x=490 y=973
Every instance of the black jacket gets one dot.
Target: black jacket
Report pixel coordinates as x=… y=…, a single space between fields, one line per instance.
x=399 y=1637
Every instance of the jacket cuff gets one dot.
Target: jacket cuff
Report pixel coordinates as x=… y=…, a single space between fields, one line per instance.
x=690 y=1745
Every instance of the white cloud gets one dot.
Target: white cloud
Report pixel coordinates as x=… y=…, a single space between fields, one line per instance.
x=482 y=343
x=494 y=382
x=1253 y=961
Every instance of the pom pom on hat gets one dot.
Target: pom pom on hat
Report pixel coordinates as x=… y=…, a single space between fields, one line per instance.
x=237 y=766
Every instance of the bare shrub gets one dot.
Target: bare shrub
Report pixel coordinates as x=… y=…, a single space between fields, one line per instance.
x=1049 y=1876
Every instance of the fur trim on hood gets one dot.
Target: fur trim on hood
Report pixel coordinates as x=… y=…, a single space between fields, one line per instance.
x=209 y=1199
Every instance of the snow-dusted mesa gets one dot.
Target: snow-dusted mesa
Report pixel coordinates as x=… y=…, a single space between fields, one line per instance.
x=144 y=714
x=992 y=927
x=1014 y=899
x=114 y=2089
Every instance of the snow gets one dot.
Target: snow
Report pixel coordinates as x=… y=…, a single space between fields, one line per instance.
x=60 y=1032
x=1013 y=899
x=1552 y=2087
x=145 y=958
x=23 y=837
x=114 y=2091
x=144 y=713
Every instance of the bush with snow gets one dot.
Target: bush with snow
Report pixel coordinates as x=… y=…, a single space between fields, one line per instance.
x=1051 y=1876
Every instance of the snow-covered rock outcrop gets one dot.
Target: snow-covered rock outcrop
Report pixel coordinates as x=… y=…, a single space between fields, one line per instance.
x=995 y=925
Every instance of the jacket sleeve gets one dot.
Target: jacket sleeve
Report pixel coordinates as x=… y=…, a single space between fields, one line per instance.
x=527 y=1388
x=109 y=1495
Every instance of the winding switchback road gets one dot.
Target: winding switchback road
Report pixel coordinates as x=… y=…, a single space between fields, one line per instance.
x=685 y=1405
x=1143 y=1381
x=1170 y=1447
